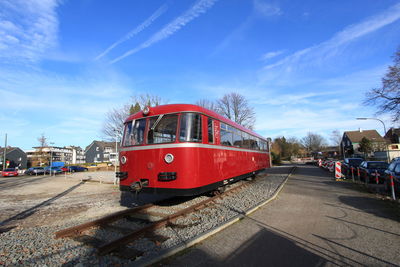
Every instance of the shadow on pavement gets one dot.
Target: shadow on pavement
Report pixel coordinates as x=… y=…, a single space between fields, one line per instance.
x=373 y=206
x=265 y=248
x=272 y=249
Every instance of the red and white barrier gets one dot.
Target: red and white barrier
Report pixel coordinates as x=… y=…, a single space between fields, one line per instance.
x=392 y=186
x=338 y=170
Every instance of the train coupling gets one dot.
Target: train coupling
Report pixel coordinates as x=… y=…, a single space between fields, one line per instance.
x=137 y=186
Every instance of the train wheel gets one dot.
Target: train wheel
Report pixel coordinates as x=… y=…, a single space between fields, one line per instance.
x=218 y=191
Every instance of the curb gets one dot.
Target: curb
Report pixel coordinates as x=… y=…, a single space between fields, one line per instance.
x=174 y=250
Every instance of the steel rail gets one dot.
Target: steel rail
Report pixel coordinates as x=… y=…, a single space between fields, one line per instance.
x=75 y=230
x=115 y=244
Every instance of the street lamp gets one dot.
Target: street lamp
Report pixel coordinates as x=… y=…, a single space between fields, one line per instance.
x=384 y=129
x=116 y=180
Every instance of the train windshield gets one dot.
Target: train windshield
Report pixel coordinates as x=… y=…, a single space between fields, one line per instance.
x=190 y=130
x=134 y=132
x=162 y=129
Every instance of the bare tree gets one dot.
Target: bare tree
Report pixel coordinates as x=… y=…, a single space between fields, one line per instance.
x=336 y=137
x=235 y=107
x=387 y=97
x=114 y=122
x=42 y=139
x=40 y=157
x=313 y=142
x=113 y=125
x=208 y=104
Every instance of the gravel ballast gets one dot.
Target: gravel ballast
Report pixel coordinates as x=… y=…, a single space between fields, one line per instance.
x=33 y=244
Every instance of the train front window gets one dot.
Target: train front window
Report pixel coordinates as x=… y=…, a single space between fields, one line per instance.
x=134 y=132
x=162 y=129
x=190 y=130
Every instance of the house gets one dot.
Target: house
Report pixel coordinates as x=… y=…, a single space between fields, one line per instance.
x=43 y=156
x=351 y=141
x=392 y=137
x=78 y=155
x=15 y=157
x=101 y=151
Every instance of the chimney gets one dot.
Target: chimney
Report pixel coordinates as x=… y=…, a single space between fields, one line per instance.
x=360 y=130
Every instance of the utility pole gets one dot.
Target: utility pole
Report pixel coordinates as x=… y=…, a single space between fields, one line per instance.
x=51 y=157
x=116 y=151
x=5 y=153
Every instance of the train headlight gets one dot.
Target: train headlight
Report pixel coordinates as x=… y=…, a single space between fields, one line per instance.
x=169 y=158
x=123 y=159
x=146 y=110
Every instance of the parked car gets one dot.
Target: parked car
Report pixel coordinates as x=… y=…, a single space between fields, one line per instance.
x=9 y=172
x=394 y=171
x=348 y=163
x=52 y=170
x=74 y=169
x=34 y=171
x=368 y=170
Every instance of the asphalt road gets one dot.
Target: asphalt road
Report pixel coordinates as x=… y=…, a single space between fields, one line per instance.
x=315 y=221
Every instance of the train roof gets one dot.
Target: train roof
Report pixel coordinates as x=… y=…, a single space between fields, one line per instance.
x=172 y=108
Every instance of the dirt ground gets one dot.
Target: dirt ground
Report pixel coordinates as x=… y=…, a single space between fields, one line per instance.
x=29 y=201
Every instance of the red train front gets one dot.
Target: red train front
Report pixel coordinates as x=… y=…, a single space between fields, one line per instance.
x=187 y=150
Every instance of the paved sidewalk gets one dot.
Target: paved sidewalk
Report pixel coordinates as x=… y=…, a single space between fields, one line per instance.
x=315 y=221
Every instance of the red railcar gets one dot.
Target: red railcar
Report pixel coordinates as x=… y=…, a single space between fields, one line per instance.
x=186 y=150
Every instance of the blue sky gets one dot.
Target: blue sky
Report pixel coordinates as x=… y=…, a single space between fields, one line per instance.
x=303 y=65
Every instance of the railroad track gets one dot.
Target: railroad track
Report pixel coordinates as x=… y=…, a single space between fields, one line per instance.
x=145 y=225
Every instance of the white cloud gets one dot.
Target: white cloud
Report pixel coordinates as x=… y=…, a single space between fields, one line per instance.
x=196 y=10
x=27 y=29
x=292 y=98
x=266 y=9
x=135 y=31
x=329 y=48
x=272 y=54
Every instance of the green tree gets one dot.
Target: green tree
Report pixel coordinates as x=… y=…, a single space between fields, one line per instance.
x=365 y=146
x=134 y=108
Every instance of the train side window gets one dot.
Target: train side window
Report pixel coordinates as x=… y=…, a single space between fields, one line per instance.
x=226 y=136
x=190 y=130
x=237 y=138
x=210 y=127
x=162 y=129
x=134 y=132
x=246 y=141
